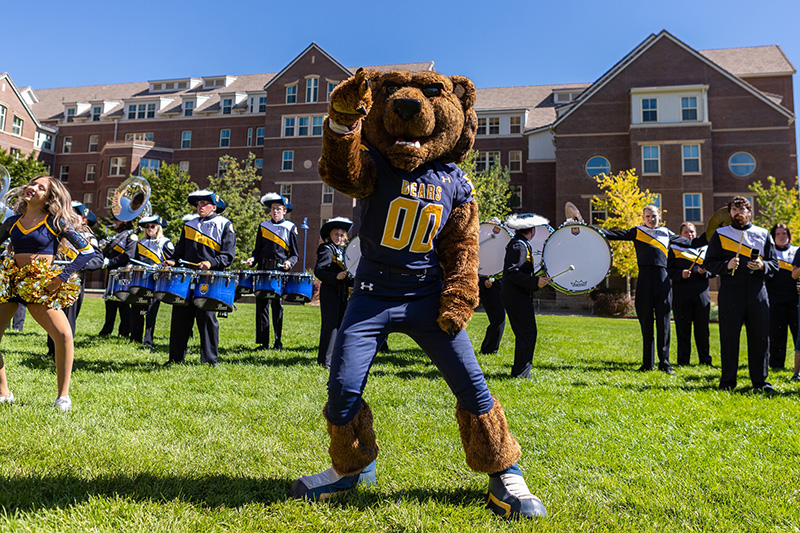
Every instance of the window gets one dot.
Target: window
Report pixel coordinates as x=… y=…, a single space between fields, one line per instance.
x=316 y=125
x=291 y=94
x=249 y=136
x=655 y=199
x=691 y=158
x=331 y=86
x=63 y=173
x=141 y=111
x=222 y=166
x=259 y=136
x=3 y=111
x=259 y=166
x=650 y=160
x=16 y=126
x=597 y=165
x=485 y=160
x=227 y=105
x=288 y=160
x=117 y=166
x=140 y=137
x=693 y=207
x=312 y=89
x=66 y=146
x=649 y=109
x=288 y=126
x=224 y=138
x=286 y=191
x=596 y=214
x=183 y=168
x=515 y=161
x=188 y=108
x=688 y=108
x=481 y=127
x=15 y=153
x=515 y=124
x=71 y=114
x=91 y=169
x=262 y=104
x=494 y=125
x=93 y=142
x=302 y=126
x=186 y=139
x=88 y=199
x=43 y=140
x=742 y=164
x=327 y=194
x=150 y=164
x=110 y=197
x=96 y=112
x=151 y=110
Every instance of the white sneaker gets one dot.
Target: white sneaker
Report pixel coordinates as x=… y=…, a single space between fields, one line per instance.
x=63 y=403
x=7 y=399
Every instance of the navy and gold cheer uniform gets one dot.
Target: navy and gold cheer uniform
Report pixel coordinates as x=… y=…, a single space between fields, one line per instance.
x=276 y=242
x=742 y=299
x=398 y=286
x=333 y=295
x=209 y=239
x=691 y=302
x=782 y=292
x=152 y=252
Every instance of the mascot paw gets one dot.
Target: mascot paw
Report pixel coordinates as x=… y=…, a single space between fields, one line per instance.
x=454 y=314
x=351 y=100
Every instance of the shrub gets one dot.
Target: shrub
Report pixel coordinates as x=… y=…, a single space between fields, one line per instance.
x=611 y=302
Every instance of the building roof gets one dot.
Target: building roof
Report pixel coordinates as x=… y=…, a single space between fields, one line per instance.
x=752 y=61
x=536 y=99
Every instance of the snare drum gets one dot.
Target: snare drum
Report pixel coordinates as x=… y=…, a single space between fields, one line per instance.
x=299 y=287
x=111 y=287
x=123 y=287
x=492 y=241
x=244 y=283
x=352 y=255
x=142 y=281
x=582 y=247
x=214 y=291
x=268 y=284
x=540 y=235
x=173 y=285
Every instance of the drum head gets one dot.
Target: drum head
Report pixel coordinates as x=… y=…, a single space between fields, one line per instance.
x=540 y=236
x=582 y=247
x=352 y=255
x=492 y=241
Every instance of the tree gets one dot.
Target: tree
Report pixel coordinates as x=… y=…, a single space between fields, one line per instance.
x=168 y=196
x=492 y=187
x=624 y=201
x=777 y=204
x=22 y=169
x=239 y=188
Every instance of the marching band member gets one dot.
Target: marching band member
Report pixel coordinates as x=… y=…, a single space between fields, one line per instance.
x=691 y=301
x=782 y=292
x=87 y=220
x=336 y=282
x=154 y=249
x=519 y=284
x=118 y=253
x=490 y=293
x=742 y=294
x=653 y=289
x=43 y=217
x=276 y=249
x=207 y=242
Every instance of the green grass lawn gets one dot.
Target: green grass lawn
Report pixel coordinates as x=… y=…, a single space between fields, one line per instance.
x=194 y=448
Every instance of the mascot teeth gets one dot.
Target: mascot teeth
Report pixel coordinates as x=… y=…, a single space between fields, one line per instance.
x=401 y=142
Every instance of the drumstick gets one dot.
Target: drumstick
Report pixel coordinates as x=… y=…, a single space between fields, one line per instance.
x=570 y=268
x=739 y=249
x=135 y=262
x=184 y=262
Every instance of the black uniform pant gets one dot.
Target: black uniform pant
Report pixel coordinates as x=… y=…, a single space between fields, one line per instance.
x=492 y=302
x=181 y=324
x=332 y=306
x=71 y=313
x=782 y=317
x=738 y=307
x=691 y=308
x=143 y=321
x=112 y=306
x=519 y=307
x=262 y=320
x=653 y=302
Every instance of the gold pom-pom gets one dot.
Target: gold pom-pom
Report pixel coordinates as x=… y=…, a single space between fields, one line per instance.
x=32 y=281
x=7 y=271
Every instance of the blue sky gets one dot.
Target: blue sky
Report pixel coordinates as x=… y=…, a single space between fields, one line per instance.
x=534 y=42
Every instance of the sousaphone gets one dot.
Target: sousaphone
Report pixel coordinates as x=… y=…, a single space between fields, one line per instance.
x=5 y=185
x=131 y=199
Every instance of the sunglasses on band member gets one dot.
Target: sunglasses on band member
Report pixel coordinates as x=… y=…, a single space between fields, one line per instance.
x=148 y=226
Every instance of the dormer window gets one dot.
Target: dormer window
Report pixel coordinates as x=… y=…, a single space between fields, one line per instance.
x=649 y=109
x=141 y=111
x=188 y=108
x=71 y=114
x=689 y=108
x=515 y=125
x=227 y=106
x=96 y=112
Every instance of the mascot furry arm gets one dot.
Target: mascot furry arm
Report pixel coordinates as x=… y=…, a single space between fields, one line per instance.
x=411 y=119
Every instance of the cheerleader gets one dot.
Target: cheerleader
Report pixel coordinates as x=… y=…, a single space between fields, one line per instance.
x=336 y=283
x=154 y=249
x=43 y=216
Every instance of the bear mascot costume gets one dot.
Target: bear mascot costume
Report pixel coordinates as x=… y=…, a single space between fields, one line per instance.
x=392 y=141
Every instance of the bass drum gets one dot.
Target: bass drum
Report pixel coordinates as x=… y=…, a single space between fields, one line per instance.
x=540 y=236
x=579 y=246
x=352 y=255
x=492 y=241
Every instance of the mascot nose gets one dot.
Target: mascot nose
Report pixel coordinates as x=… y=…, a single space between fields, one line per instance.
x=406 y=107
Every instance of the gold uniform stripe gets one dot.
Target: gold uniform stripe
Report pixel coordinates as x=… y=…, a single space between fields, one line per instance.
x=147 y=252
x=647 y=239
x=194 y=235
x=274 y=238
x=689 y=257
x=731 y=245
x=785 y=266
x=118 y=248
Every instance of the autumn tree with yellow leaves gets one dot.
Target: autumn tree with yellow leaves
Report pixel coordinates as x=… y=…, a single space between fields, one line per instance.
x=775 y=204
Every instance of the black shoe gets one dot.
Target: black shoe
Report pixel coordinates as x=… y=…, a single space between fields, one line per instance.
x=795 y=377
x=668 y=370
x=278 y=346
x=644 y=368
x=709 y=364
x=766 y=388
x=726 y=387
x=262 y=347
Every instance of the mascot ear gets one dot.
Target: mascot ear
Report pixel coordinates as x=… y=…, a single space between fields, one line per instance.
x=464 y=89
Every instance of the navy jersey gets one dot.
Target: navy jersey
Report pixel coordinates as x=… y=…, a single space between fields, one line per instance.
x=651 y=245
x=402 y=218
x=120 y=249
x=209 y=239
x=154 y=251
x=518 y=265
x=276 y=242
x=781 y=286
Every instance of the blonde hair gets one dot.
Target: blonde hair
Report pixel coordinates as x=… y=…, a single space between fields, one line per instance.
x=159 y=231
x=58 y=203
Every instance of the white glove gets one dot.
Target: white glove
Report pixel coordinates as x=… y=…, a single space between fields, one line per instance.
x=105 y=262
